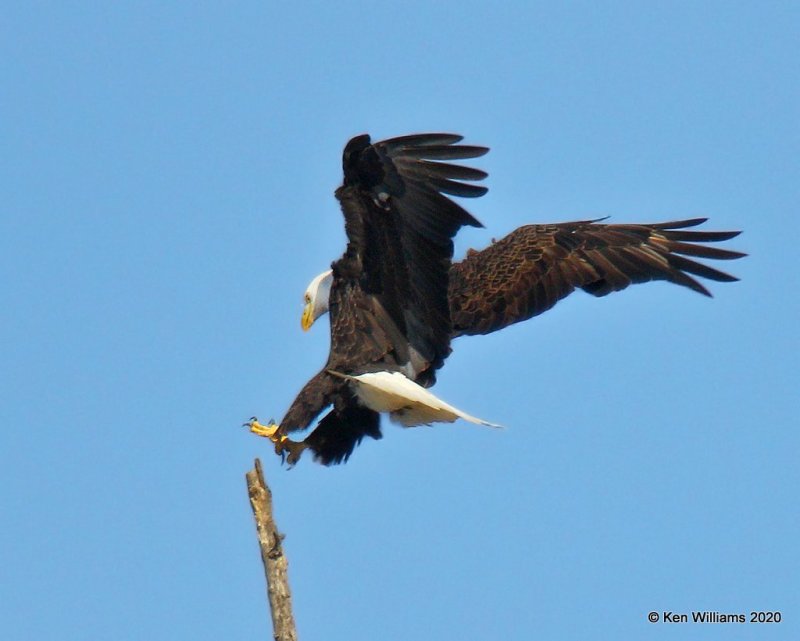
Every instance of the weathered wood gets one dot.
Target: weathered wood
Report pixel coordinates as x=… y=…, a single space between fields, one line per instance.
x=275 y=563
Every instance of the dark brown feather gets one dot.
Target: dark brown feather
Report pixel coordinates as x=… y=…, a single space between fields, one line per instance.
x=339 y=432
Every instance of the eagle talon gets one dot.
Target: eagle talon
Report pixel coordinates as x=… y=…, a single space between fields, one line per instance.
x=270 y=431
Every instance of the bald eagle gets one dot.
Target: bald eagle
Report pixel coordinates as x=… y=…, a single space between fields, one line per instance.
x=396 y=300
x=387 y=296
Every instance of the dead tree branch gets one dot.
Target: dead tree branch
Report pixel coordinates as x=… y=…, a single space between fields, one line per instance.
x=275 y=564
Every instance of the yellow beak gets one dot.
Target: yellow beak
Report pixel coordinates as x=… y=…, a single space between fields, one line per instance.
x=307 y=320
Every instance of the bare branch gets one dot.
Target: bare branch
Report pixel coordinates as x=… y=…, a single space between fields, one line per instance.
x=275 y=564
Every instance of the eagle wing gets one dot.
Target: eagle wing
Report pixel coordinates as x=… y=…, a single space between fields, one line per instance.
x=535 y=266
x=400 y=225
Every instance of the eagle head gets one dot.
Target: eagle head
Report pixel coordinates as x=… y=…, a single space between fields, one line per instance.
x=316 y=299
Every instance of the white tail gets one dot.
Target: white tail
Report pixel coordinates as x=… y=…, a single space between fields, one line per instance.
x=407 y=403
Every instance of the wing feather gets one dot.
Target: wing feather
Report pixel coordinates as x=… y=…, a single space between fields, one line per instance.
x=458 y=172
x=420 y=140
x=443 y=152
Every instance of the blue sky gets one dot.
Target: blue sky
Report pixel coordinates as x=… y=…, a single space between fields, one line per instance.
x=167 y=182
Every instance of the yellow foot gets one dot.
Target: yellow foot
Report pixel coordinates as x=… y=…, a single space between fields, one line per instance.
x=283 y=444
x=267 y=431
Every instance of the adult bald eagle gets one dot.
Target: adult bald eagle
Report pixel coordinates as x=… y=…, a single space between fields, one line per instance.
x=390 y=318
x=396 y=300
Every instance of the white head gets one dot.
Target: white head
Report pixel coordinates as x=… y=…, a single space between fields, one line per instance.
x=316 y=299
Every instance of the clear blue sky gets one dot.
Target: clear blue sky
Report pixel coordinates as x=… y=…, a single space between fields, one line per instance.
x=167 y=178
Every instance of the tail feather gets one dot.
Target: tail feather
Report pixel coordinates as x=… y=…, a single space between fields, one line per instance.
x=407 y=403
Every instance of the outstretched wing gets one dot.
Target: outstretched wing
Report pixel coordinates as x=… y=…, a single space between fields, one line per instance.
x=535 y=266
x=400 y=226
